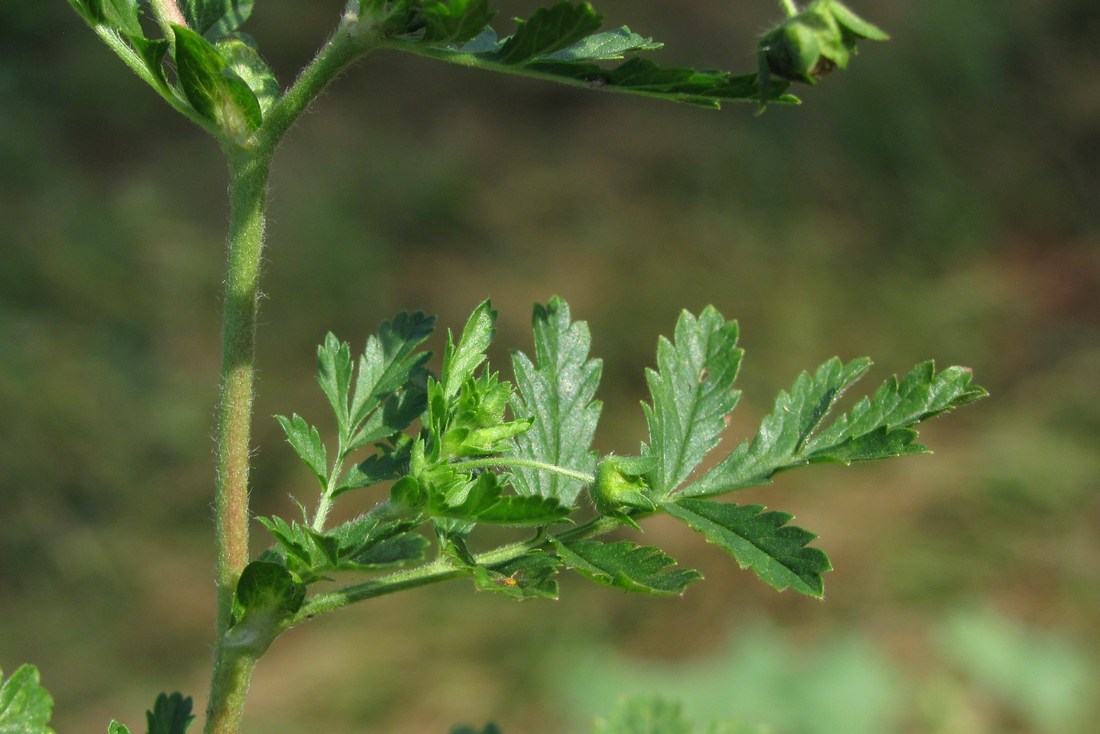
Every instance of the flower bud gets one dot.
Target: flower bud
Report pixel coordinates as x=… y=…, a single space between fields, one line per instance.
x=621 y=485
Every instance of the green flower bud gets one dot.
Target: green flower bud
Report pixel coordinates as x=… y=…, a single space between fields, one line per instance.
x=621 y=485
x=808 y=45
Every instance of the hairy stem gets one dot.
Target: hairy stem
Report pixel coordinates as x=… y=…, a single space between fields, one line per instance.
x=789 y=7
x=248 y=193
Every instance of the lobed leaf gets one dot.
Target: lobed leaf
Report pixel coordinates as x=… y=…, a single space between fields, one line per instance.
x=557 y=392
x=627 y=566
x=878 y=427
x=763 y=541
x=692 y=392
x=170 y=714
x=460 y=361
x=307 y=443
x=25 y=706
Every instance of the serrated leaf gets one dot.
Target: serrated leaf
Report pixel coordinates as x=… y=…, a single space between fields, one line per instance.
x=878 y=427
x=605 y=46
x=531 y=576
x=557 y=392
x=171 y=714
x=460 y=361
x=627 y=566
x=548 y=30
x=762 y=541
x=481 y=500
x=387 y=366
x=455 y=21
x=25 y=706
x=692 y=392
x=375 y=468
x=216 y=18
x=307 y=443
x=334 y=370
x=212 y=88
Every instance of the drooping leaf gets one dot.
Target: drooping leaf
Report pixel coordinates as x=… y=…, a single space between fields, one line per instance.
x=171 y=714
x=692 y=391
x=558 y=393
x=25 y=706
x=460 y=360
x=627 y=566
x=216 y=18
x=877 y=427
x=212 y=88
x=763 y=541
x=307 y=443
x=531 y=576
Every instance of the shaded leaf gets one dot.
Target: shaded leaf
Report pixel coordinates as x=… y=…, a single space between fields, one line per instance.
x=171 y=714
x=763 y=541
x=558 y=393
x=455 y=21
x=625 y=565
x=548 y=30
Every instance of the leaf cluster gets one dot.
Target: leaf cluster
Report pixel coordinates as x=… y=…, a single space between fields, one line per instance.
x=465 y=449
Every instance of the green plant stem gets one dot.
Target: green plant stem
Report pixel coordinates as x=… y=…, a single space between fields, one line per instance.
x=444 y=570
x=789 y=7
x=248 y=194
x=510 y=461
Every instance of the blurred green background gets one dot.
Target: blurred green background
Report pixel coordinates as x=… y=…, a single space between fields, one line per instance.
x=939 y=199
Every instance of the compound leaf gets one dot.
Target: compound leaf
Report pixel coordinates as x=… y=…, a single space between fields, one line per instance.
x=763 y=541
x=625 y=565
x=692 y=392
x=170 y=714
x=877 y=427
x=557 y=392
x=25 y=706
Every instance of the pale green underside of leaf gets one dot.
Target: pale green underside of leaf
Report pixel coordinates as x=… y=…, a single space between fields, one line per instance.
x=878 y=427
x=692 y=391
x=627 y=566
x=762 y=541
x=25 y=706
x=557 y=392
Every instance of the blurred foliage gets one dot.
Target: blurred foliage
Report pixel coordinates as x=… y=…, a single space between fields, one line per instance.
x=951 y=179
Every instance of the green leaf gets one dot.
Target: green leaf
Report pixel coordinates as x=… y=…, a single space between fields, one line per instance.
x=605 y=46
x=460 y=361
x=481 y=500
x=307 y=443
x=625 y=565
x=399 y=550
x=557 y=392
x=334 y=370
x=776 y=552
x=267 y=591
x=548 y=30
x=216 y=18
x=170 y=714
x=531 y=576
x=455 y=21
x=212 y=88
x=122 y=15
x=116 y=728
x=388 y=367
x=242 y=58
x=692 y=394
x=489 y=728
x=878 y=427
x=25 y=706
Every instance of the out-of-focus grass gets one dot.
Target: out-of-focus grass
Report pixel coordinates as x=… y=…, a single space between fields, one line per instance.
x=935 y=200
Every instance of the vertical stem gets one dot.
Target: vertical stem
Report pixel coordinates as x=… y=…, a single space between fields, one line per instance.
x=248 y=190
